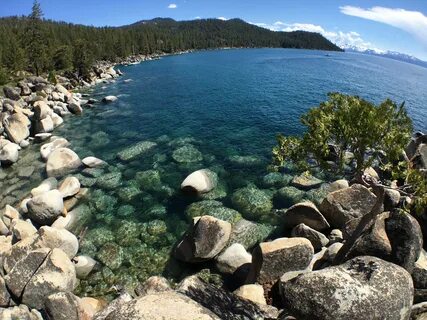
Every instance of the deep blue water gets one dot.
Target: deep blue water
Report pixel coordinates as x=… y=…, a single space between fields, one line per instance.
x=224 y=103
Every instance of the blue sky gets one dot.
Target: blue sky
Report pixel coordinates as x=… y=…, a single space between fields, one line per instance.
x=399 y=25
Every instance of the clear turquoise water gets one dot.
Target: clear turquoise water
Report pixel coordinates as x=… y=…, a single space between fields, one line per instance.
x=225 y=104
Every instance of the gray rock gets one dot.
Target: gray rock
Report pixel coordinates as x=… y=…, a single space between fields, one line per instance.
x=158 y=306
x=251 y=292
x=317 y=239
x=41 y=110
x=84 y=266
x=16 y=128
x=11 y=93
x=152 y=285
x=341 y=206
x=69 y=187
x=214 y=209
x=335 y=236
x=43 y=126
x=200 y=181
x=46 y=207
x=136 y=150
x=109 y=99
x=338 y=185
x=304 y=212
x=9 y=153
x=47 y=185
x=63 y=306
x=187 y=154
x=364 y=287
x=204 y=240
x=92 y=162
x=59 y=238
x=62 y=161
x=21 y=312
x=270 y=260
x=110 y=181
x=111 y=255
x=56 y=274
x=391 y=199
x=233 y=258
x=48 y=148
x=288 y=196
x=306 y=182
x=249 y=233
x=75 y=108
x=4 y=294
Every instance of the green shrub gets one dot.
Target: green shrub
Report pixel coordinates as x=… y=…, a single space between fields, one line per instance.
x=4 y=78
x=350 y=124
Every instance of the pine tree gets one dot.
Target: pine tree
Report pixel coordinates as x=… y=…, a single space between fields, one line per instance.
x=82 y=58
x=35 y=46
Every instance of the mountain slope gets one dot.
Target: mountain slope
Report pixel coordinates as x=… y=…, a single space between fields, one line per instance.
x=62 y=40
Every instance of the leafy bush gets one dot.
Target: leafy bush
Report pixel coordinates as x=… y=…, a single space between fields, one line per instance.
x=347 y=124
x=417 y=180
x=3 y=76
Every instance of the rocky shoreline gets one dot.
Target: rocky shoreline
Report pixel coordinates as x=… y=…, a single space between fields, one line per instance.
x=318 y=265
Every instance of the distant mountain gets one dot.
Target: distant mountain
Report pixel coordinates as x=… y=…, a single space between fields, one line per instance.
x=388 y=54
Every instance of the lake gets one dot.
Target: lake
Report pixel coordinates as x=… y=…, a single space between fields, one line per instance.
x=214 y=109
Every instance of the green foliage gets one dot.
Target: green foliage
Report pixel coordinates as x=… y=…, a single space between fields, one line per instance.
x=36 y=48
x=82 y=58
x=4 y=78
x=47 y=44
x=52 y=77
x=417 y=179
x=63 y=58
x=349 y=124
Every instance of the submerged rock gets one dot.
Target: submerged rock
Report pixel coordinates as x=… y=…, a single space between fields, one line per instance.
x=187 y=154
x=249 y=233
x=212 y=208
x=364 y=287
x=245 y=161
x=288 y=196
x=136 y=150
x=306 y=182
x=253 y=203
x=111 y=255
x=110 y=181
x=109 y=99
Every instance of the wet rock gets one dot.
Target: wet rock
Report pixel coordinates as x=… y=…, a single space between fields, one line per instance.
x=9 y=153
x=304 y=212
x=47 y=185
x=200 y=181
x=276 y=179
x=111 y=255
x=136 y=150
x=62 y=161
x=153 y=284
x=75 y=108
x=56 y=274
x=341 y=206
x=149 y=180
x=25 y=172
x=92 y=162
x=16 y=129
x=254 y=204
x=245 y=161
x=252 y=292
x=270 y=260
x=165 y=305
x=317 y=239
x=249 y=233
x=63 y=306
x=212 y=208
x=187 y=154
x=288 y=196
x=46 y=207
x=59 y=238
x=204 y=240
x=109 y=181
x=233 y=258
x=69 y=187
x=109 y=99
x=306 y=182
x=362 y=287
x=84 y=266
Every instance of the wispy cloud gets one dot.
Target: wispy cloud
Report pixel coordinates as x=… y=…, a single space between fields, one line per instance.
x=340 y=38
x=222 y=18
x=172 y=6
x=413 y=22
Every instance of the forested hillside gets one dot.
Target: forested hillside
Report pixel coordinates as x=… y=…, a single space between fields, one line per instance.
x=34 y=44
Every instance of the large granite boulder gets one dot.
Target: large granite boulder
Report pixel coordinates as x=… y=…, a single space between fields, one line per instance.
x=56 y=274
x=8 y=153
x=303 y=212
x=341 y=206
x=214 y=209
x=11 y=93
x=204 y=240
x=48 y=148
x=16 y=128
x=62 y=161
x=69 y=187
x=63 y=306
x=270 y=260
x=233 y=258
x=46 y=207
x=200 y=181
x=249 y=233
x=317 y=239
x=362 y=288
x=164 y=305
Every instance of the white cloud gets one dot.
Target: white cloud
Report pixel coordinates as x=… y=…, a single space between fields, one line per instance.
x=172 y=6
x=413 y=22
x=197 y=18
x=340 y=38
x=222 y=18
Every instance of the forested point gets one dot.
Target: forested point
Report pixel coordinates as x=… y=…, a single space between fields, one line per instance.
x=31 y=43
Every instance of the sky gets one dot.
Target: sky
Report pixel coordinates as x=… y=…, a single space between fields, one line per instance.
x=397 y=25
